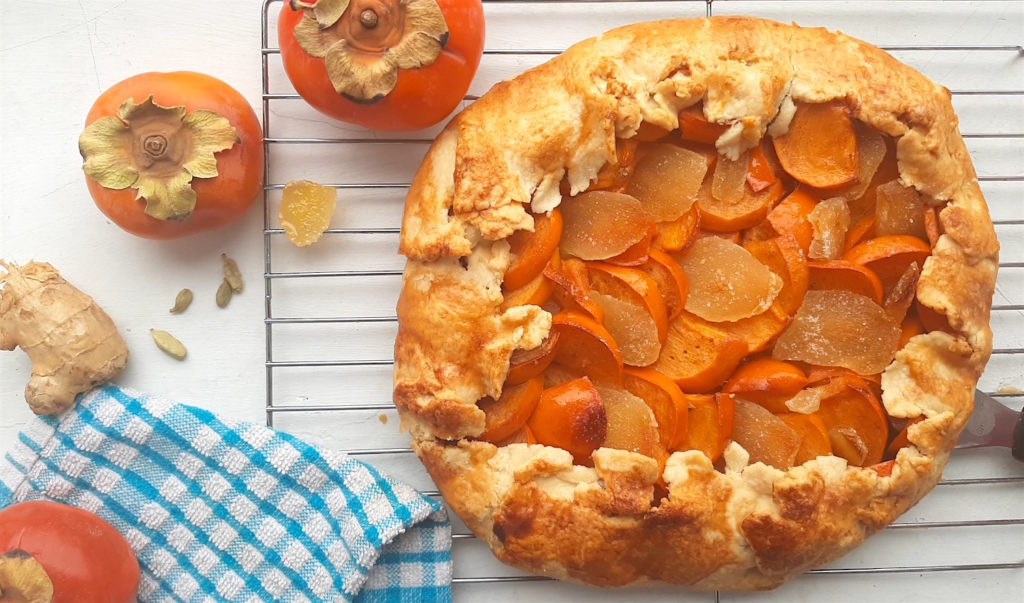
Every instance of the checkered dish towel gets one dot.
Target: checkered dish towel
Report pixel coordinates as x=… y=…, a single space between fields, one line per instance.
x=219 y=510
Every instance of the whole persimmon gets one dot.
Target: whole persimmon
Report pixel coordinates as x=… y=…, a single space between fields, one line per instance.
x=383 y=64
x=55 y=552
x=171 y=154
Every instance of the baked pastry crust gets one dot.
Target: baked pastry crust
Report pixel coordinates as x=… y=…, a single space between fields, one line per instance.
x=753 y=526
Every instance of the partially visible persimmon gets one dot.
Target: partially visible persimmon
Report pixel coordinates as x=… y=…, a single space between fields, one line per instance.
x=790 y=217
x=631 y=285
x=820 y=147
x=693 y=126
x=857 y=426
x=760 y=174
x=871 y=151
x=614 y=176
x=523 y=436
x=931 y=319
x=586 y=346
x=758 y=331
x=698 y=356
x=901 y=440
x=572 y=417
x=840 y=328
x=726 y=282
x=665 y=400
x=911 y=326
x=670 y=279
x=572 y=287
x=710 y=424
x=828 y=275
x=601 y=224
x=677 y=235
x=534 y=293
x=666 y=181
x=766 y=438
x=531 y=250
x=814 y=440
x=508 y=414
x=527 y=364
x=736 y=213
x=767 y=382
x=862 y=229
x=889 y=256
x=631 y=424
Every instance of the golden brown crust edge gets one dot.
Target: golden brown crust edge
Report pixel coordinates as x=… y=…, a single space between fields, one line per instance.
x=753 y=526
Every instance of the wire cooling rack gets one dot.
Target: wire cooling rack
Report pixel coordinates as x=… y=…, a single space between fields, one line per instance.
x=330 y=321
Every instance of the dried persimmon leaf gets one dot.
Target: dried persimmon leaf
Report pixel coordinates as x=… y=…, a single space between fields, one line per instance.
x=727 y=283
x=840 y=328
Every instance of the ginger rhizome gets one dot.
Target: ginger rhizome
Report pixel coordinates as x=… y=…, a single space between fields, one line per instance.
x=72 y=343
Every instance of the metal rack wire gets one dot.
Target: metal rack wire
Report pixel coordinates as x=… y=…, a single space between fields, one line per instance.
x=377 y=227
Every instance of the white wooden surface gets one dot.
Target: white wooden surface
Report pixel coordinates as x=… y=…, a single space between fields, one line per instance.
x=55 y=57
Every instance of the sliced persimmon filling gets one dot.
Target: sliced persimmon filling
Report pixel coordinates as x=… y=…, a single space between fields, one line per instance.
x=700 y=299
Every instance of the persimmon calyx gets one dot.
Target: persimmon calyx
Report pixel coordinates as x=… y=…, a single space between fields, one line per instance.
x=22 y=578
x=157 y=151
x=365 y=42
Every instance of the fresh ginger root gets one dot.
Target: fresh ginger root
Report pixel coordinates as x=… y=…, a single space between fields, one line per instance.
x=73 y=344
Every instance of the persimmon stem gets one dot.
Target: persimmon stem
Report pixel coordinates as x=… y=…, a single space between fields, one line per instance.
x=155 y=145
x=368 y=18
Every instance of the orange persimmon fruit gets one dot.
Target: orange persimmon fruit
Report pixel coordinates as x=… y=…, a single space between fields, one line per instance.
x=820 y=147
x=767 y=382
x=889 y=256
x=846 y=276
x=532 y=250
x=508 y=414
x=586 y=346
x=670 y=278
x=571 y=416
x=527 y=364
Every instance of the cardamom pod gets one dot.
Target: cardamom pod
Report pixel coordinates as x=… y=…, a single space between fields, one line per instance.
x=231 y=273
x=223 y=293
x=182 y=301
x=168 y=344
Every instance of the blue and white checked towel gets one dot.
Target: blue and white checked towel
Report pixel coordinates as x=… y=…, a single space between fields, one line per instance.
x=218 y=510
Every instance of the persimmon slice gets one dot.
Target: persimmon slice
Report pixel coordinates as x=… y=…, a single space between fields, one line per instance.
x=632 y=285
x=670 y=279
x=710 y=424
x=698 y=356
x=587 y=347
x=760 y=174
x=733 y=214
x=840 y=328
x=601 y=224
x=857 y=426
x=830 y=221
x=783 y=256
x=820 y=148
x=676 y=235
x=637 y=253
x=631 y=424
x=693 y=126
x=527 y=364
x=899 y=210
x=910 y=328
x=572 y=417
x=871 y=150
x=614 y=175
x=666 y=181
x=862 y=229
x=571 y=287
x=531 y=251
x=790 y=217
x=767 y=438
x=509 y=412
x=767 y=382
x=889 y=256
x=832 y=275
x=632 y=327
x=901 y=440
x=758 y=331
x=534 y=293
x=665 y=400
x=814 y=441
x=727 y=283
x=523 y=436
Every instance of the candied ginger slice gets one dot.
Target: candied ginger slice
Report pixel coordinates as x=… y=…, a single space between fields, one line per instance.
x=632 y=327
x=598 y=225
x=840 y=328
x=829 y=220
x=727 y=283
x=764 y=436
x=666 y=181
x=899 y=210
x=306 y=211
x=631 y=424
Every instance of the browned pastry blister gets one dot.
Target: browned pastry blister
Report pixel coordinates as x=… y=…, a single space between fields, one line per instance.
x=747 y=526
